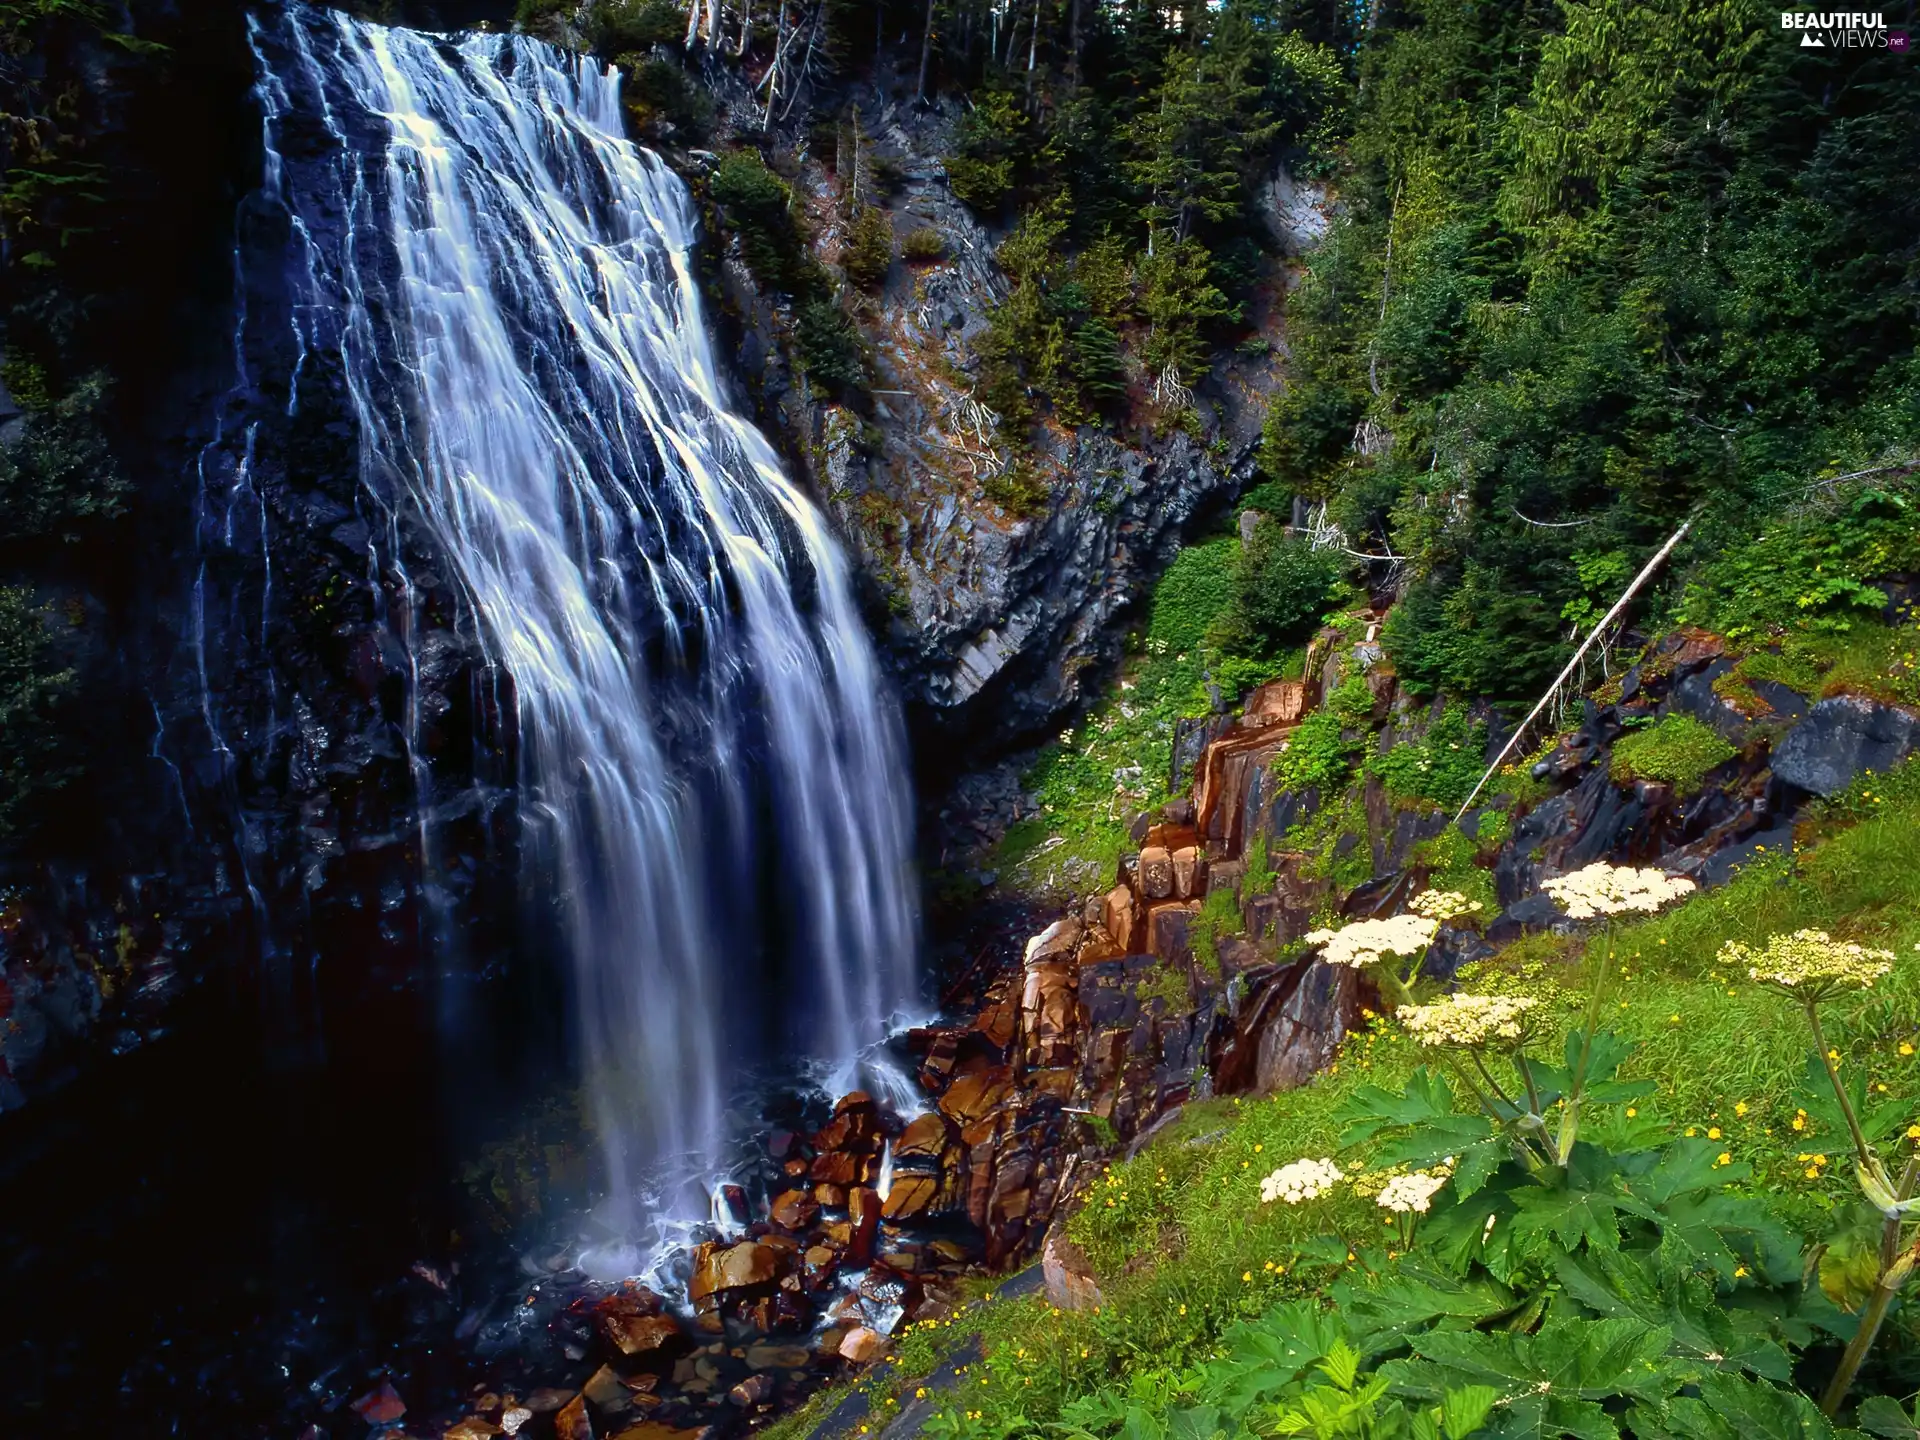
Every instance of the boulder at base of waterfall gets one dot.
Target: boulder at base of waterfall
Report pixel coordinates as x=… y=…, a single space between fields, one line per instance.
x=719 y=1268
x=911 y=1195
x=794 y=1210
x=840 y=1167
x=923 y=1141
x=864 y=1209
x=973 y=1097
x=606 y=1391
x=474 y=1427
x=572 y=1422
x=641 y=1334
x=380 y=1407
x=861 y=1344
x=754 y=1390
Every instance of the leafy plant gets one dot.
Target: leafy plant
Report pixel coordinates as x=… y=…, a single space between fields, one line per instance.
x=1676 y=750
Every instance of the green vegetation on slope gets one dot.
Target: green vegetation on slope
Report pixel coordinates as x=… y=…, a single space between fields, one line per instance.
x=1722 y=1076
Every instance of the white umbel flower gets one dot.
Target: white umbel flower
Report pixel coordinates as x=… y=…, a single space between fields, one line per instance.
x=1467 y=1021
x=1809 y=964
x=1410 y=1194
x=1443 y=904
x=1367 y=942
x=1603 y=889
x=1299 y=1182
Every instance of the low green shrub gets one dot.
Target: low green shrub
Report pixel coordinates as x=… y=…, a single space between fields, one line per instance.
x=1441 y=767
x=1810 y=573
x=1676 y=750
x=1281 y=586
x=758 y=206
x=923 y=246
x=868 y=252
x=829 y=347
x=1190 y=597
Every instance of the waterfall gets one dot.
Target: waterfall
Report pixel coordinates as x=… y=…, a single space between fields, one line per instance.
x=711 y=772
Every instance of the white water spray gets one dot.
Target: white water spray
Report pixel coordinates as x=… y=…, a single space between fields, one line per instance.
x=707 y=752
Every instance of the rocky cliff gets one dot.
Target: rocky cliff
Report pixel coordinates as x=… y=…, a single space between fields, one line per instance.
x=997 y=608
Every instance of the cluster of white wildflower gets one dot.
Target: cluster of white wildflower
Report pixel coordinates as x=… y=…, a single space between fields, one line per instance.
x=1809 y=964
x=1410 y=1194
x=1444 y=904
x=1603 y=889
x=1468 y=1021
x=1301 y=1181
x=1366 y=942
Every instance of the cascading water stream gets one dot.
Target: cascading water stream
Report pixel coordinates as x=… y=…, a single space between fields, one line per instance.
x=711 y=773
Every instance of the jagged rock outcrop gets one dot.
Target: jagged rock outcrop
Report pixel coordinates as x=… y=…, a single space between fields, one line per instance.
x=994 y=613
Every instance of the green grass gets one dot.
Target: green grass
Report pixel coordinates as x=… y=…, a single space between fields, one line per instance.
x=1097 y=775
x=1880 y=662
x=1184 y=1248
x=1676 y=750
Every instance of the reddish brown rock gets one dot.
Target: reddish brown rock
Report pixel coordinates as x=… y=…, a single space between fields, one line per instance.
x=840 y=1167
x=657 y=1430
x=1117 y=916
x=641 y=1334
x=1068 y=1276
x=973 y=1097
x=995 y=1024
x=754 y=1390
x=794 y=1210
x=732 y=1267
x=864 y=1210
x=911 y=1195
x=833 y=1197
x=861 y=1345
x=380 y=1407
x=1189 y=872
x=572 y=1422
x=821 y=1261
x=607 y=1391
x=474 y=1427
x=1156 y=873
x=924 y=1139
x=1058 y=941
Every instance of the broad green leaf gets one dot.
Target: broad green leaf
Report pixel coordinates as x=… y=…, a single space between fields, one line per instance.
x=1878 y=1120
x=1466 y=1409
x=1200 y=1422
x=1571 y=1217
x=1410 y=1297
x=1265 y=1356
x=1370 y=1109
x=1434 y=1140
x=1733 y=1407
x=1559 y=1372
x=1881 y=1415
x=1616 y=1285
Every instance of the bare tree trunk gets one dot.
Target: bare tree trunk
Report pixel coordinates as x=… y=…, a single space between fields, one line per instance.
x=926 y=52
x=1033 y=50
x=693 y=23
x=1073 y=44
x=746 y=29
x=772 y=81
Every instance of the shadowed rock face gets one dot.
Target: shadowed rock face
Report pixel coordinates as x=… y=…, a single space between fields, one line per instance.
x=1840 y=739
